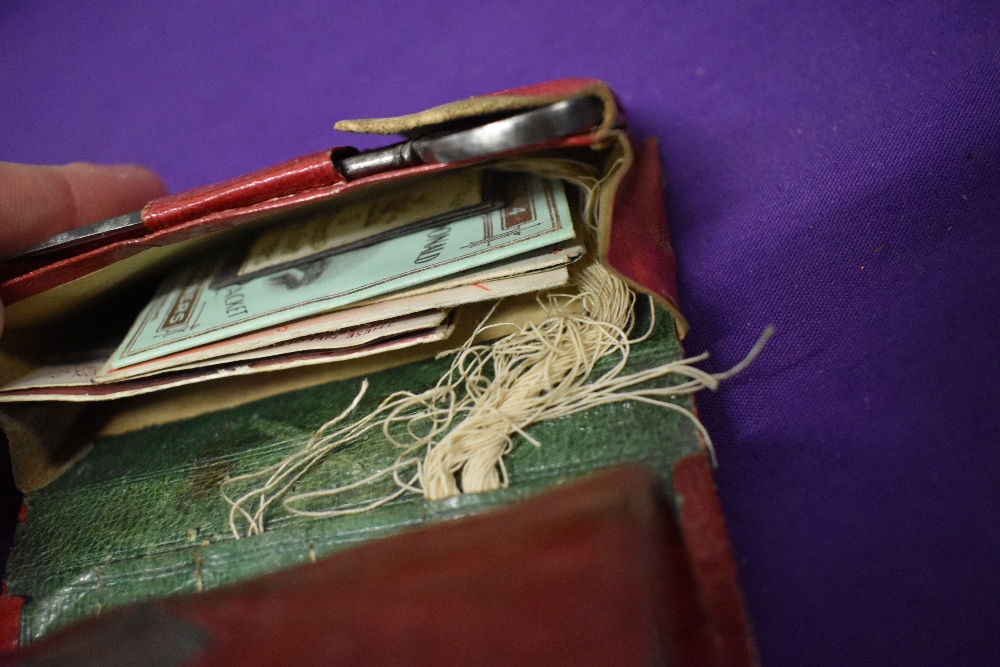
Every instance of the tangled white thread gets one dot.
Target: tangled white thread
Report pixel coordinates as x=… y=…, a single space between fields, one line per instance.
x=458 y=432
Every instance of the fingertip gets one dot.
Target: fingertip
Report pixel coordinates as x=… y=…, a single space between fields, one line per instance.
x=39 y=201
x=133 y=185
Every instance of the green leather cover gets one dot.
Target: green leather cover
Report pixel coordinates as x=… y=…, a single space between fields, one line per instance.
x=142 y=517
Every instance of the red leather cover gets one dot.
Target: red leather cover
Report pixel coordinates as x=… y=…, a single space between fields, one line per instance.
x=558 y=87
x=595 y=572
x=711 y=559
x=637 y=243
x=10 y=620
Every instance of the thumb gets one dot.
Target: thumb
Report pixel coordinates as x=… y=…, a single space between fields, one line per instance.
x=39 y=201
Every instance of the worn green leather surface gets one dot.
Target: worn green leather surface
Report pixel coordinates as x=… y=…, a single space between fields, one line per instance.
x=142 y=517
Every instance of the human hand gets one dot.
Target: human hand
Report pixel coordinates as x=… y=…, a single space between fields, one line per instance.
x=37 y=202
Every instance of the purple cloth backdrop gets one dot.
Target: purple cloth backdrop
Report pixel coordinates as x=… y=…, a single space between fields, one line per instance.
x=832 y=170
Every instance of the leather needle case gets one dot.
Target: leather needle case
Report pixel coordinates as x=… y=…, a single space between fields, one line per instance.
x=138 y=516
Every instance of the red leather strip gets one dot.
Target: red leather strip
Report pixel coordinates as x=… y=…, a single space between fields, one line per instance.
x=10 y=620
x=302 y=173
x=711 y=557
x=638 y=243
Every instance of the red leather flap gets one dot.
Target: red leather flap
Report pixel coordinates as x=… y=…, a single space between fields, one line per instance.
x=636 y=242
x=594 y=572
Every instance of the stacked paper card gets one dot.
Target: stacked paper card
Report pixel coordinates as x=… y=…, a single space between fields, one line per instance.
x=367 y=275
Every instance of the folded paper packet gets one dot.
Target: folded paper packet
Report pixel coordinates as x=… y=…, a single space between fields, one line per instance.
x=142 y=516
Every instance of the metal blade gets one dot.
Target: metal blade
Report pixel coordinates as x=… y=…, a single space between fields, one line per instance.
x=94 y=232
x=524 y=129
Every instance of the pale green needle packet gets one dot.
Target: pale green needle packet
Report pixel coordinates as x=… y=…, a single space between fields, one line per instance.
x=188 y=311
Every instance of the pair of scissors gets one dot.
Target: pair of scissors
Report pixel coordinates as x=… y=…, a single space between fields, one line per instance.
x=521 y=130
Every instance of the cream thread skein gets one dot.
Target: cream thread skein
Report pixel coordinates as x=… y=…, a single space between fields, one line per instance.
x=463 y=427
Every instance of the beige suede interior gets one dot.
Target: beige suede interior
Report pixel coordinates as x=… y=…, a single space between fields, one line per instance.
x=430 y=119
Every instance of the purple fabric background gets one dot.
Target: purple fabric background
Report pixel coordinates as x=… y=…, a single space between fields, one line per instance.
x=832 y=170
